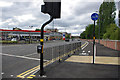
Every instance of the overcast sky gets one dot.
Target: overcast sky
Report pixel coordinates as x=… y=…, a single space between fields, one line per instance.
x=75 y=15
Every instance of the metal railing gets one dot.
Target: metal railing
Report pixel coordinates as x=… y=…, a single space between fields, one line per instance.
x=57 y=53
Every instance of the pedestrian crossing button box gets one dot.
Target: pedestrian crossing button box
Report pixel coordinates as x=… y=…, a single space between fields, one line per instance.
x=39 y=47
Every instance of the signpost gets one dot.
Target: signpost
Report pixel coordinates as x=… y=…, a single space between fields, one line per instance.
x=94 y=17
x=63 y=36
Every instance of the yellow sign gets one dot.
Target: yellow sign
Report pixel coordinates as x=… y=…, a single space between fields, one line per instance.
x=41 y=40
x=93 y=37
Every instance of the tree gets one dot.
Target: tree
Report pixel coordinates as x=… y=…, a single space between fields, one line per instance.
x=16 y=28
x=106 y=16
x=38 y=30
x=82 y=35
x=112 y=32
x=97 y=32
x=89 y=31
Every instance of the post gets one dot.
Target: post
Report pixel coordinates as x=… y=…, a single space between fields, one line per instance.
x=99 y=31
x=93 y=42
x=42 y=45
x=29 y=37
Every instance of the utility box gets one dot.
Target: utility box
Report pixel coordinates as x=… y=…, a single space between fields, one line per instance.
x=39 y=47
x=52 y=7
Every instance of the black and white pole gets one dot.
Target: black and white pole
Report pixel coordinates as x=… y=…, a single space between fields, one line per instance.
x=94 y=17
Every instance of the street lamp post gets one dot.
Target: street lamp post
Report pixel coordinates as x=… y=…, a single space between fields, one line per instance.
x=30 y=36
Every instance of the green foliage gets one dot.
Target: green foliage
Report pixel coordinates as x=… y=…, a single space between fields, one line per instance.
x=67 y=36
x=106 y=21
x=38 y=30
x=82 y=35
x=8 y=42
x=88 y=33
x=106 y=16
x=112 y=32
x=97 y=32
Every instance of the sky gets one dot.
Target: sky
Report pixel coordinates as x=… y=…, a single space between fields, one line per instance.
x=75 y=15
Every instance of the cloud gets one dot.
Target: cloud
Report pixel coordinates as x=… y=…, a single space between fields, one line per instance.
x=24 y=18
x=75 y=15
x=5 y=4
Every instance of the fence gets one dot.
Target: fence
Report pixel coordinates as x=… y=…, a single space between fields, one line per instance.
x=57 y=53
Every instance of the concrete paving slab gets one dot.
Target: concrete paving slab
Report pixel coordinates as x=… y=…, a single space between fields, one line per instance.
x=98 y=59
x=82 y=59
x=107 y=60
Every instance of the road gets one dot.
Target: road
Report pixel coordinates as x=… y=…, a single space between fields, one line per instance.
x=19 y=58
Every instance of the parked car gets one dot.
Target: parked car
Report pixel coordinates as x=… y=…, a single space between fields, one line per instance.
x=22 y=39
x=27 y=39
x=8 y=39
x=14 y=39
x=78 y=39
x=67 y=40
x=34 y=39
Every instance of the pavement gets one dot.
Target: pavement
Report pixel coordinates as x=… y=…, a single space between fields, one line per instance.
x=21 y=58
x=80 y=64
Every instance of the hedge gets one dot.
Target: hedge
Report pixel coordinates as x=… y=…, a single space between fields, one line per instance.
x=8 y=42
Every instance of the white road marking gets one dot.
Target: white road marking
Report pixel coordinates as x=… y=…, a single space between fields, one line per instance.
x=10 y=45
x=11 y=75
x=2 y=73
x=30 y=54
x=21 y=57
x=85 y=45
x=44 y=76
x=83 y=51
x=88 y=51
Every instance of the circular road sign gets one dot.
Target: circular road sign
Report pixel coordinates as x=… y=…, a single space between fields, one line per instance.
x=94 y=16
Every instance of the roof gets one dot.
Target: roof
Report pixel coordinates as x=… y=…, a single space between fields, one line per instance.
x=3 y=30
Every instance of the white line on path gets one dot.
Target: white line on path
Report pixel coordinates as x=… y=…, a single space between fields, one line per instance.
x=85 y=45
x=2 y=73
x=22 y=57
x=83 y=51
x=11 y=75
x=88 y=51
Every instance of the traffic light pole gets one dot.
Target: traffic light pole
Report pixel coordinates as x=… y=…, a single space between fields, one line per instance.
x=94 y=43
x=42 y=44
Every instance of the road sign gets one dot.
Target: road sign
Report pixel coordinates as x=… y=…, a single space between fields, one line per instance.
x=63 y=36
x=94 y=16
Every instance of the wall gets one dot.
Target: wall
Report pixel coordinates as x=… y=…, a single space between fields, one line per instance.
x=113 y=44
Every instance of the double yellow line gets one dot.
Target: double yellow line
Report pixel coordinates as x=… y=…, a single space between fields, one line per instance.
x=24 y=74
x=28 y=73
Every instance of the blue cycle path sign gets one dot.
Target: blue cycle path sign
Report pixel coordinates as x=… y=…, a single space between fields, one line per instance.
x=94 y=16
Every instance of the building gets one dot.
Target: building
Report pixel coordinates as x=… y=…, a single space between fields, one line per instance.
x=28 y=34
x=52 y=30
